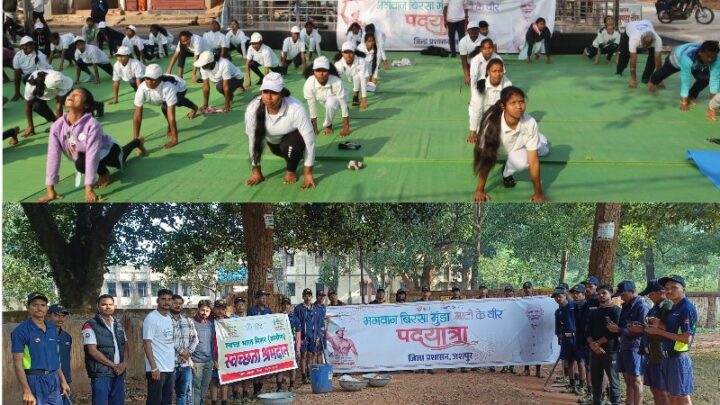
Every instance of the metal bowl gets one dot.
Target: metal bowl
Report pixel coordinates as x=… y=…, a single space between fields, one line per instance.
x=353 y=385
x=277 y=398
x=379 y=382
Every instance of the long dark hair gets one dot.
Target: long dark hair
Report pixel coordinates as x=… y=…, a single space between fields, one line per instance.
x=352 y=26
x=260 y=129
x=309 y=71
x=89 y=100
x=487 y=141
x=168 y=79
x=476 y=51
x=160 y=29
x=375 y=58
x=39 y=82
x=481 y=83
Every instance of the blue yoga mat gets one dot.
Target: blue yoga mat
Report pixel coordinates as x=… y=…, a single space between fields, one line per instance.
x=708 y=162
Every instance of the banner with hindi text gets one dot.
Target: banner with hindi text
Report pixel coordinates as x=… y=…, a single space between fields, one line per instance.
x=442 y=334
x=417 y=24
x=253 y=346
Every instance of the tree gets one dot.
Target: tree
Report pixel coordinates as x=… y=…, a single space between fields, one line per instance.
x=258 y=240
x=604 y=241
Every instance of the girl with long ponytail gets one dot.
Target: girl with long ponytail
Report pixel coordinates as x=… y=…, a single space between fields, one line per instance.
x=506 y=128
x=486 y=93
x=373 y=55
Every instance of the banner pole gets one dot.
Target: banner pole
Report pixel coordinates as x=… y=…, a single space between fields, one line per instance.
x=547 y=380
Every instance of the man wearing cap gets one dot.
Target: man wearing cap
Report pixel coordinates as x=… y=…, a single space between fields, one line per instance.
x=527 y=286
x=312 y=332
x=582 y=352
x=57 y=86
x=189 y=44
x=239 y=308
x=168 y=91
x=186 y=340
x=219 y=312
x=604 y=345
x=288 y=132
x=379 y=296
x=467 y=44
x=41 y=37
x=677 y=334
x=509 y=292
x=630 y=357
x=107 y=34
x=591 y=295
x=482 y=291
x=35 y=354
x=62 y=46
x=293 y=51
x=202 y=357
x=425 y=297
x=333 y=299
x=57 y=314
x=312 y=39
x=240 y=311
x=86 y=54
x=259 y=55
x=286 y=308
x=129 y=70
x=326 y=87
x=652 y=345
x=159 y=347
x=27 y=61
x=216 y=40
x=106 y=354
x=356 y=70
x=98 y=10
x=225 y=76
x=134 y=43
x=565 y=328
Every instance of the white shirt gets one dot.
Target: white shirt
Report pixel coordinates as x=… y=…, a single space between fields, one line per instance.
x=492 y=93
x=223 y=70
x=467 y=45
x=39 y=6
x=92 y=55
x=160 y=39
x=64 y=43
x=478 y=65
x=355 y=39
x=165 y=92
x=524 y=136
x=292 y=49
x=159 y=329
x=370 y=56
x=26 y=63
x=603 y=38
x=134 y=69
x=236 y=38
x=215 y=39
x=132 y=42
x=292 y=116
x=634 y=31
x=49 y=94
x=359 y=70
x=89 y=338
x=489 y=35
x=313 y=92
x=197 y=45
x=314 y=36
x=455 y=10
x=264 y=56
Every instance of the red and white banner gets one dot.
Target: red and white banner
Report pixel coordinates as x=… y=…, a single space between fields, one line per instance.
x=254 y=346
x=417 y=24
x=442 y=334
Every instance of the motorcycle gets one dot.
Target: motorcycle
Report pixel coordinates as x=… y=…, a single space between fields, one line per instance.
x=666 y=14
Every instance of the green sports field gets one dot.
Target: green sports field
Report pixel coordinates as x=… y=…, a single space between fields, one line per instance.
x=609 y=143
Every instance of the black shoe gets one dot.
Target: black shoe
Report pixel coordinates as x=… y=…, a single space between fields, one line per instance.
x=454 y=55
x=491 y=369
x=356 y=100
x=349 y=146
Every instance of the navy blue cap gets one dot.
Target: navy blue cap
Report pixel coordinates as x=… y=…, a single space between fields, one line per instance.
x=527 y=284
x=592 y=280
x=578 y=288
x=36 y=295
x=558 y=292
x=380 y=289
x=676 y=278
x=481 y=286
x=509 y=288
x=58 y=309
x=652 y=286
x=307 y=291
x=425 y=288
x=320 y=292
x=623 y=287
x=564 y=286
x=260 y=293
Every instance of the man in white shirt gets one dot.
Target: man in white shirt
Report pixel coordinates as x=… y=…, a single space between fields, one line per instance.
x=293 y=50
x=226 y=76
x=134 y=43
x=259 y=55
x=311 y=37
x=467 y=44
x=639 y=34
x=455 y=15
x=86 y=54
x=64 y=47
x=159 y=348
x=128 y=70
x=236 y=39
x=216 y=40
x=189 y=44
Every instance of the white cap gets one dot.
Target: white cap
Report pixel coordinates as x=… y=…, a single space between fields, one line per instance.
x=78 y=38
x=204 y=58
x=295 y=29
x=58 y=81
x=26 y=40
x=153 y=71
x=321 y=62
x=39 y=25
x=347 y=46
x=273 y=81
x=255 y=38
x=473 y=24
x=123 y=50
x=132 y=27
x=102 y=24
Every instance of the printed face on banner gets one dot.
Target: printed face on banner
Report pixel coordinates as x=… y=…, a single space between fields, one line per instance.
x=417 y=24
x=442 y=334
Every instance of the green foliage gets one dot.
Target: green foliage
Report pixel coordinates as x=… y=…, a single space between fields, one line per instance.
x=20 y=279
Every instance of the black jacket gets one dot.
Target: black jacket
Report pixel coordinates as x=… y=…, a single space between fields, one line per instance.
x=105 y=345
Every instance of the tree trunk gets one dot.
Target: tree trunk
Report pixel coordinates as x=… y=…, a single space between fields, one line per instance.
x=479 y=213
x=649 y=263
x=563 y=265
x=602 y=250
x=77 y=262
x=428 y=268
x=258 y=242
x=363 y=285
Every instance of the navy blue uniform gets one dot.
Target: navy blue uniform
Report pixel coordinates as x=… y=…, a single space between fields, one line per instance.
x=582 y=313
x=677 y=365
x=41 y=359
x=653 y=348
x=255 y=310
x=65 y=349
x=565 y=328
x=631 y=358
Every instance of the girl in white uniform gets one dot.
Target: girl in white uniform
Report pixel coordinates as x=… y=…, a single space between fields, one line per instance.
x=354 y=35
x=26 y=61
x=489 y=89
x=373 y=56
x=506 y=128
x=324 y=85
x=356 y=70
x=282 y=122
x=160 y=40
x=134 y=43
x=236 y=40
x=128 y=70
x=41 y=87
x=311 y=37
x=215 y=39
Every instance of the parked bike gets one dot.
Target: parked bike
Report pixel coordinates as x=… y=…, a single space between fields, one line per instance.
x=666 y=15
